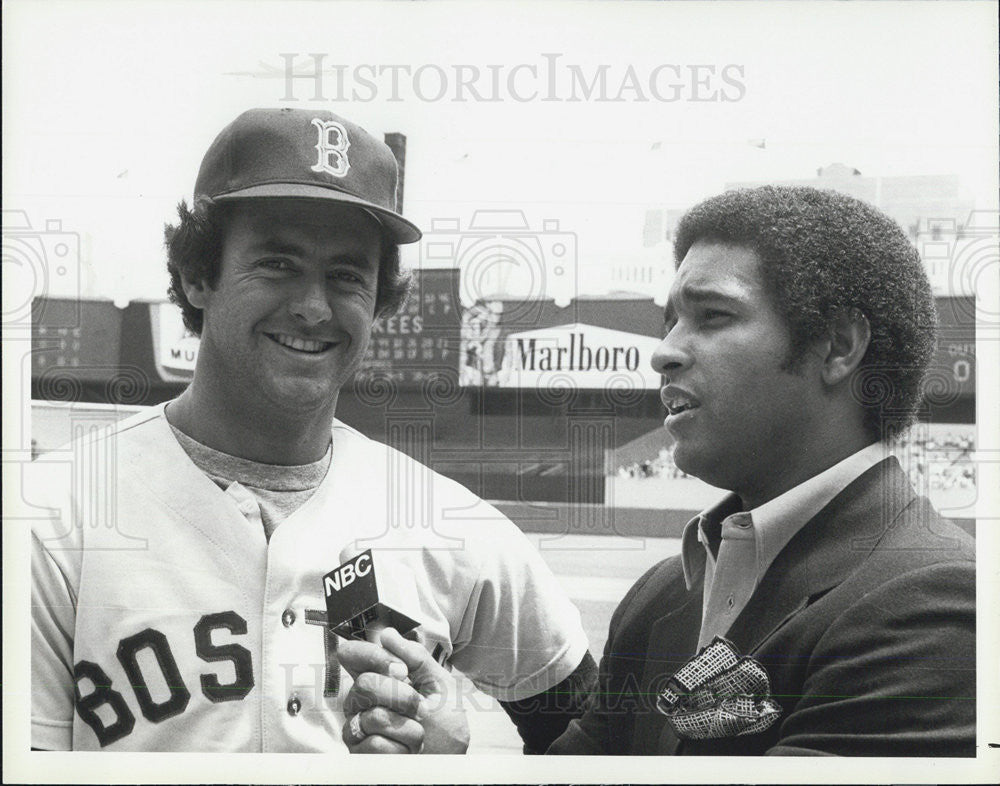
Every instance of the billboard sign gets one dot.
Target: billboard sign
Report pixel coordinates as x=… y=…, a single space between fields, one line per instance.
x=580 y=356
x=175 y=348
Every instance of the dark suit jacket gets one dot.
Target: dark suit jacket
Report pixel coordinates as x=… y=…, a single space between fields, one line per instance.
x=865 y=624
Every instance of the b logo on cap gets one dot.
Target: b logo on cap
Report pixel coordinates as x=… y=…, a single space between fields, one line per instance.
x=332 y=148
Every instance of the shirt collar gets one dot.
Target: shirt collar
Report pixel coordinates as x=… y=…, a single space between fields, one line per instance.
x=776 y=521
x=693 y=552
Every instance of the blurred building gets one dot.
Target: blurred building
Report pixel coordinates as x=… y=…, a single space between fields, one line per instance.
x=936 y=212
x=921 y=204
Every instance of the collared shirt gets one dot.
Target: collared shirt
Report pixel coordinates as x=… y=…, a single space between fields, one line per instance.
x=747 y=542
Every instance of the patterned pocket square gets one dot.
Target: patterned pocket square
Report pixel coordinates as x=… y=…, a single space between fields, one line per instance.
x=718 y=694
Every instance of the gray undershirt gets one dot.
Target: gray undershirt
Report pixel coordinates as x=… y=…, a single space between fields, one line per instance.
x=278 y=491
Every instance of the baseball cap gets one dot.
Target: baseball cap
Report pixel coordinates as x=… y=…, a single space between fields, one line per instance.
x=306 y=154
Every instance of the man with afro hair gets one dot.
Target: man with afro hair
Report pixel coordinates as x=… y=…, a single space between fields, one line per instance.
x=821 y=607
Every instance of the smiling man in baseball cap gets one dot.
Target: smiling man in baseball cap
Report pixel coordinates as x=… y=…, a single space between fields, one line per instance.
x=207 y=628
x=306 y=154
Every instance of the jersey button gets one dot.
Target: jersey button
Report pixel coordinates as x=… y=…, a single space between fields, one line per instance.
x=288 y=618
x=294 y=705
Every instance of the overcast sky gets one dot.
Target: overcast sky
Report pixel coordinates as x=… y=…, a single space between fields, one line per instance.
x=109 y=106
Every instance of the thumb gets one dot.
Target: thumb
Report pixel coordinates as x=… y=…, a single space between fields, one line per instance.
x=425 y=673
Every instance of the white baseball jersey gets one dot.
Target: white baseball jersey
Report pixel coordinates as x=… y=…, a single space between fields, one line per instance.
x=163 y=620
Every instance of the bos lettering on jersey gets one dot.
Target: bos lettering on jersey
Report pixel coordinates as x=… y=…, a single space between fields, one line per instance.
x=104 y=707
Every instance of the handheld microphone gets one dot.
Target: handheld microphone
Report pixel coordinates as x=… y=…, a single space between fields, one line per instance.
x=354 y=609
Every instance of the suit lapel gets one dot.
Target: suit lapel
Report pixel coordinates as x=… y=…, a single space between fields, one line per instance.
x=823 y=552
x=673 y=640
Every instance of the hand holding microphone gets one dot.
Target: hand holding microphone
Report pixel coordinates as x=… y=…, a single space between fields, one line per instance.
x=387 y=715
x=400 y=699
